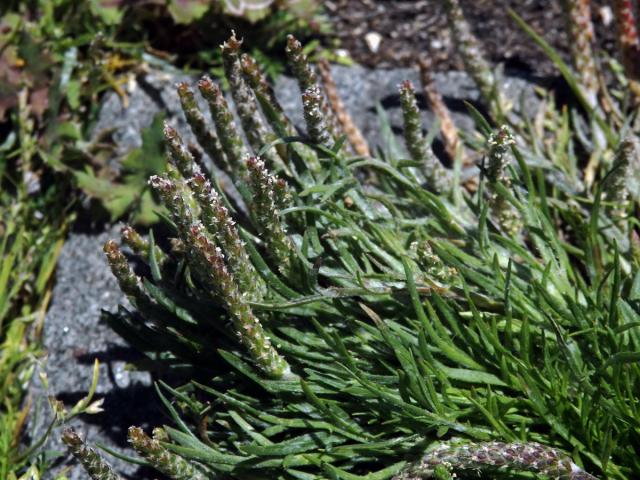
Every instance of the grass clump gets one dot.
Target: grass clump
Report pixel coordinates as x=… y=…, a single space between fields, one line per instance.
x=32 y=230
x=353 y=317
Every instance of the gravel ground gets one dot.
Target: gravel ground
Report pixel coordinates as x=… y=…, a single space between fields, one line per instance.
x=74 y=336
x=405 y=28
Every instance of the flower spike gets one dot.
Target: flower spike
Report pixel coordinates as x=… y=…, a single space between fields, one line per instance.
x=503 y=211
x=230 y=139
x=247 y=326
x=219 y=223
x=93 y=463
x=436 y=175
x=314 y=116
x=163 y=460
x=472 y=54
x=245 y=101
x=206 y=136
x=532 y=457
x=268 y=200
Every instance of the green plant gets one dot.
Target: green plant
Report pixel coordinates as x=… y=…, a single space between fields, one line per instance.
x=32 y=228
x=251 y=10
x=63 y=55
x=128 y=194
x=343 y=316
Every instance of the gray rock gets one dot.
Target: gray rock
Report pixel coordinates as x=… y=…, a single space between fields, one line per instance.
x=74 y=335
x=361 y=90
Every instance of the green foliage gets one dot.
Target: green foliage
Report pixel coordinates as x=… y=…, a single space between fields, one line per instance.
x=385 y=319
x=61 y=55
x=188 y=11
x=130 y=194
x=31 y=234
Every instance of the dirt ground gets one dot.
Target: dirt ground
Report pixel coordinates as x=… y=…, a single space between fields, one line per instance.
x=405 y=28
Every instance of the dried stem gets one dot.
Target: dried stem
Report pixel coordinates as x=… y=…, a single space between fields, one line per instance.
x=439 y=108
x=351 y=130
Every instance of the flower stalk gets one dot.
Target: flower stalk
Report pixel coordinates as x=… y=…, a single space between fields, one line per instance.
x=206 y=136
x=269 y=196
x=505 y=214
x=166 y=462
x=447 y=127
x=91 y=461
x=515 y=457
x=436 y=175
x=473 y=56
x=230 y=139
x=246 y=324
x=347 y=125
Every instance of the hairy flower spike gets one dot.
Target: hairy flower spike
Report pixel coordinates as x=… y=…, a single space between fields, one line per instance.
x=305 y=75
x=436 y=175
x=531 y=457
x=471 y=52
x=281 y=123
x=218 y=222
x=629 y=43
x=183 y=211
x=499 y=145
x=263 y=90
x=134 y=241
x=267 y=202
x=179 y=154
x=431 y=263
x=93 y=463
x=308 y=79
x=245 y=101
x=160 y=434
x=581 y=38
x=160 y=458
x=314 y=116
x=205 y=135
x=616 y=188
x=231 y=141
x=129 y=282
x=247 y=326
x=140 y=246
x=502 y=210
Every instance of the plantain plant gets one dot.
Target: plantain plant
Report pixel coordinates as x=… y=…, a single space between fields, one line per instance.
x=346 y=316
